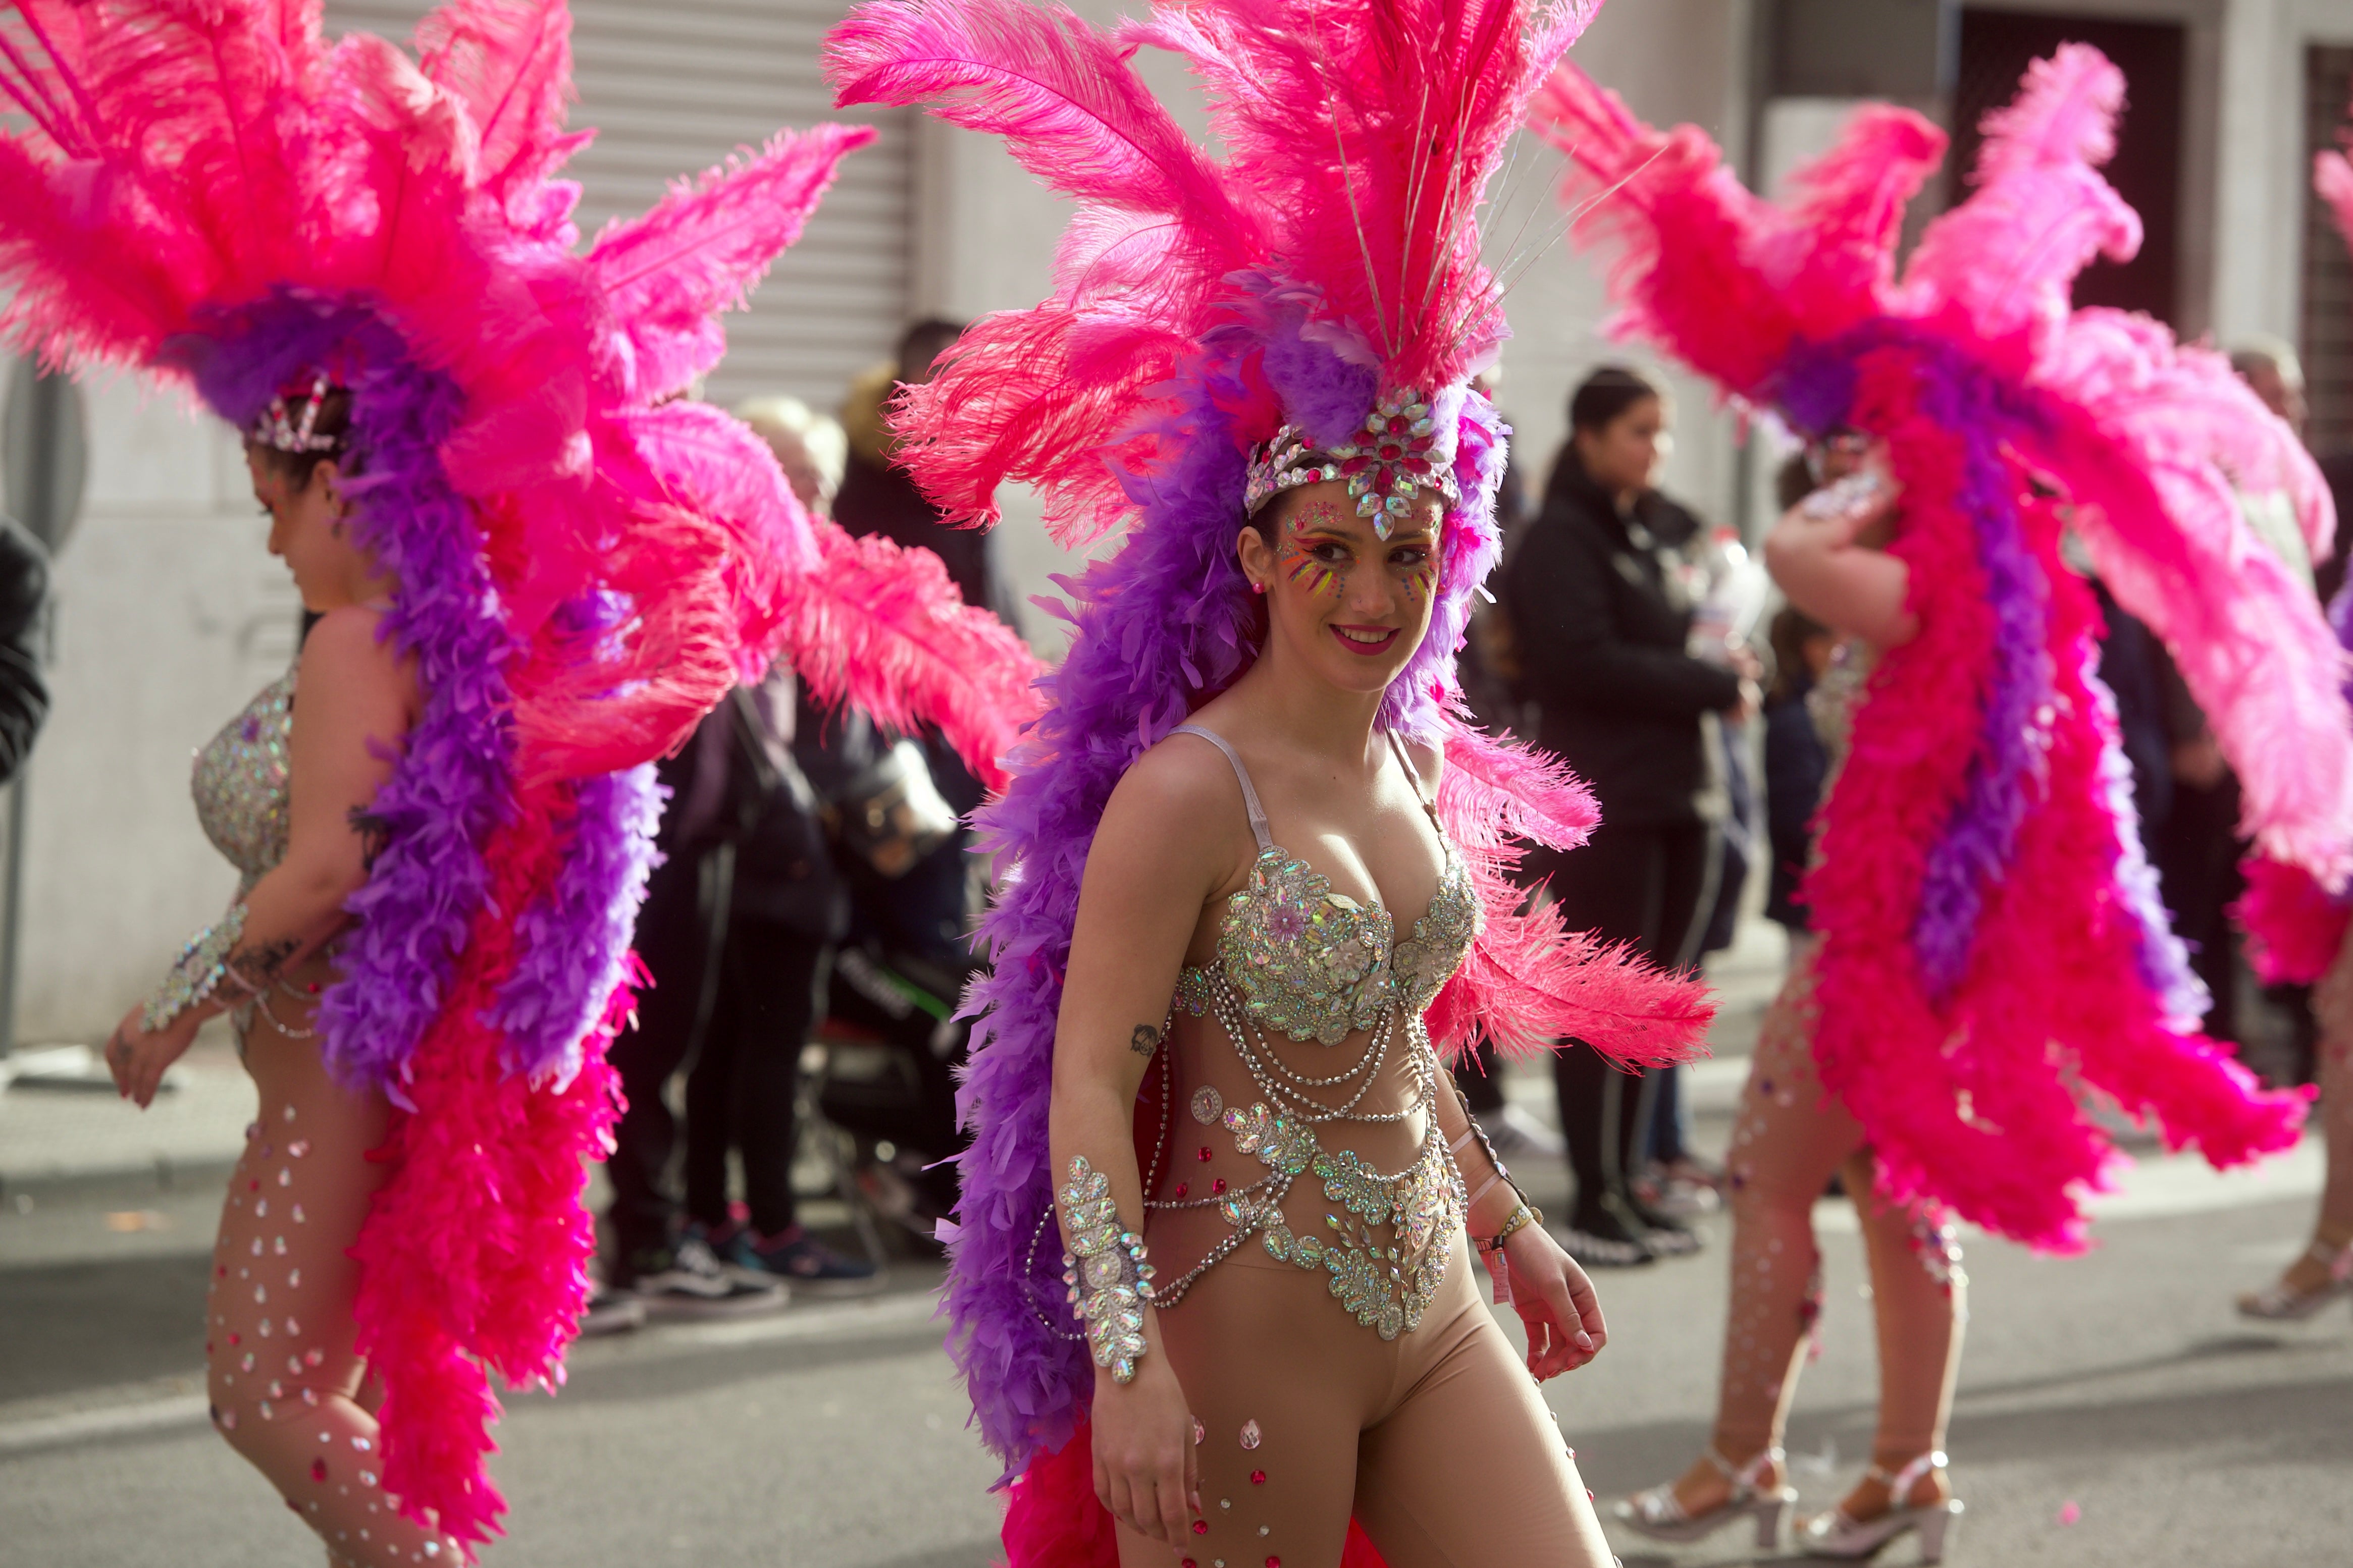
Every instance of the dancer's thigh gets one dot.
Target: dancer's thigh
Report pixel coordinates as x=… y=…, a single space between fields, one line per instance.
x=1469 y=1469
x=1787 y=1136
x=1282 y=1381
x=280 y=1316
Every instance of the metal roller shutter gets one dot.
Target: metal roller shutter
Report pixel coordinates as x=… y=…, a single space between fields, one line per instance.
x=674 y=89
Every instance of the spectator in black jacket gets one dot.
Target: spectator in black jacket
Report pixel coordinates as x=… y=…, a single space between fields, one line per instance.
x=1600 y=616
x=24 y=695
x=1797 y=763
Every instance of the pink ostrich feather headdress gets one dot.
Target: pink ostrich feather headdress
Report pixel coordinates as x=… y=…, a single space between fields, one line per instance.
x=1992 y=942
x=217 y=194
x=1326 y=258
x=2157 y=434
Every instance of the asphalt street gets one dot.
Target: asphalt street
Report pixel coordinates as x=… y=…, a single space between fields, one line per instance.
x=2114 y=1412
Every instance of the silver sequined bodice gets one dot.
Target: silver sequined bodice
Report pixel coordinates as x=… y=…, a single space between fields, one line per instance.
x=240 y=782
x=1318 y=965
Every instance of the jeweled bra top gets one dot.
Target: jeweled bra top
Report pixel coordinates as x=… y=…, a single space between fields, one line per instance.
x=1318 y=965
x=1295 y=957
x=240 y=784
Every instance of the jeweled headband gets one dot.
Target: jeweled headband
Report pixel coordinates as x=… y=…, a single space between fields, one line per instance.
x=1393 y=454
x=289 y=422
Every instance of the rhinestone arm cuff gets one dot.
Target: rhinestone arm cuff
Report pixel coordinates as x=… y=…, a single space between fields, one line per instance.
x=203 y=967
x=1110 y=1281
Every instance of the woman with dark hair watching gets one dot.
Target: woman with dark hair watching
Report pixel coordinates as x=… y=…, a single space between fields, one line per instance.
x=1602 y=616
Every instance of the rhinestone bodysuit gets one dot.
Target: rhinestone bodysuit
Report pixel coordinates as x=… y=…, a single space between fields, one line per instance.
x=1296 y=958
x=240 y=784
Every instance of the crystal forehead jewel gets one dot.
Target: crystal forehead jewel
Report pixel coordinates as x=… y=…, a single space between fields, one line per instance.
x=1393 y=454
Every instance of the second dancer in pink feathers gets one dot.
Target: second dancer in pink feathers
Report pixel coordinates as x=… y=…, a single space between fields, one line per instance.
x=1991 y=953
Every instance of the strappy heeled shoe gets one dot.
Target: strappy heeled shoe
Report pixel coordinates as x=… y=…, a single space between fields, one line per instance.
x=2278 y=1302
x=1660 y=1515
x=1840 y=1534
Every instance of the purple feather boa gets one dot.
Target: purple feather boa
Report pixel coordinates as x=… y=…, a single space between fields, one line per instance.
x=1980 y=841
x=574 y=946
x=1161 y=625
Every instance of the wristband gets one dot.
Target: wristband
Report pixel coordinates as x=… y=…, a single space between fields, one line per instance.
x=1109 y=1279
x=202 y=967
x=1520 y=1218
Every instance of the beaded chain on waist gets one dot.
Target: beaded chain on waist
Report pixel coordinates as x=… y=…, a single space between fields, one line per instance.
x=1388 y=1282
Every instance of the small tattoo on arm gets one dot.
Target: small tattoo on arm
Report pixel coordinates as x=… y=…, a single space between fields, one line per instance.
x=374 y=832
x=1144 y=1041
x=261 y=963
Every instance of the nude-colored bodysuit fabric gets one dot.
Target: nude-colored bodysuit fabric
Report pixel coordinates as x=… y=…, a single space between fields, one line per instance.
x=1787 y=1141
x=285 y=1385
x=1436 y=1441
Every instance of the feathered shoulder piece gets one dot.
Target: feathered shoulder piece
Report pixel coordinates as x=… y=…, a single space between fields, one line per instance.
x=1992 y=942
x=216 y=193
x=1310 y=302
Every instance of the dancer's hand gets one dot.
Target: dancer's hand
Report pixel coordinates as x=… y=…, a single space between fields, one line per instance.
x=1146 y=1472
x=137 y=1058
x=1555 y=1300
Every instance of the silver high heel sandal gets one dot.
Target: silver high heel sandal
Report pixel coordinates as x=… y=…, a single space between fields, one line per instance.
x=1657 y=1514
x=2276 y=1304
x=1834 y=1534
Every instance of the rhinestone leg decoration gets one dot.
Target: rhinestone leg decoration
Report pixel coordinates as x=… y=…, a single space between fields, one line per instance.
x=1786 y=1144
x=283 y=1380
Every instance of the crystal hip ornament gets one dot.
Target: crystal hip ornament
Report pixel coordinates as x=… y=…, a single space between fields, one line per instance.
x=1109 y=1279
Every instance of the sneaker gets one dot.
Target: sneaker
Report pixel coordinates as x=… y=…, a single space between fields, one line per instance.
x=612 y=1311
x=795 y=1254
x=1600 y=1238
x=1665 y=1237
x=1681 y=1190
x=1519 y=1137
x=689 y=1282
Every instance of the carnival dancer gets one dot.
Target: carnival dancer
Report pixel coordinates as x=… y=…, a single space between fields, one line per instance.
x=1990 y=947
x=534 y=568
x=1256 y=890
x=2298 y=934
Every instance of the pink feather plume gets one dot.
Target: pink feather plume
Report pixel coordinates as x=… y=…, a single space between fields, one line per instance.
x=885 y=629
x=703 y=246
x=1528 y=983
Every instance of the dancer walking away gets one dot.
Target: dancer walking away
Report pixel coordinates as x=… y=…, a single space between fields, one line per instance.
x=2300 y=934
x=1989 y=945
x=536 y=565
x=1212 y=1275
